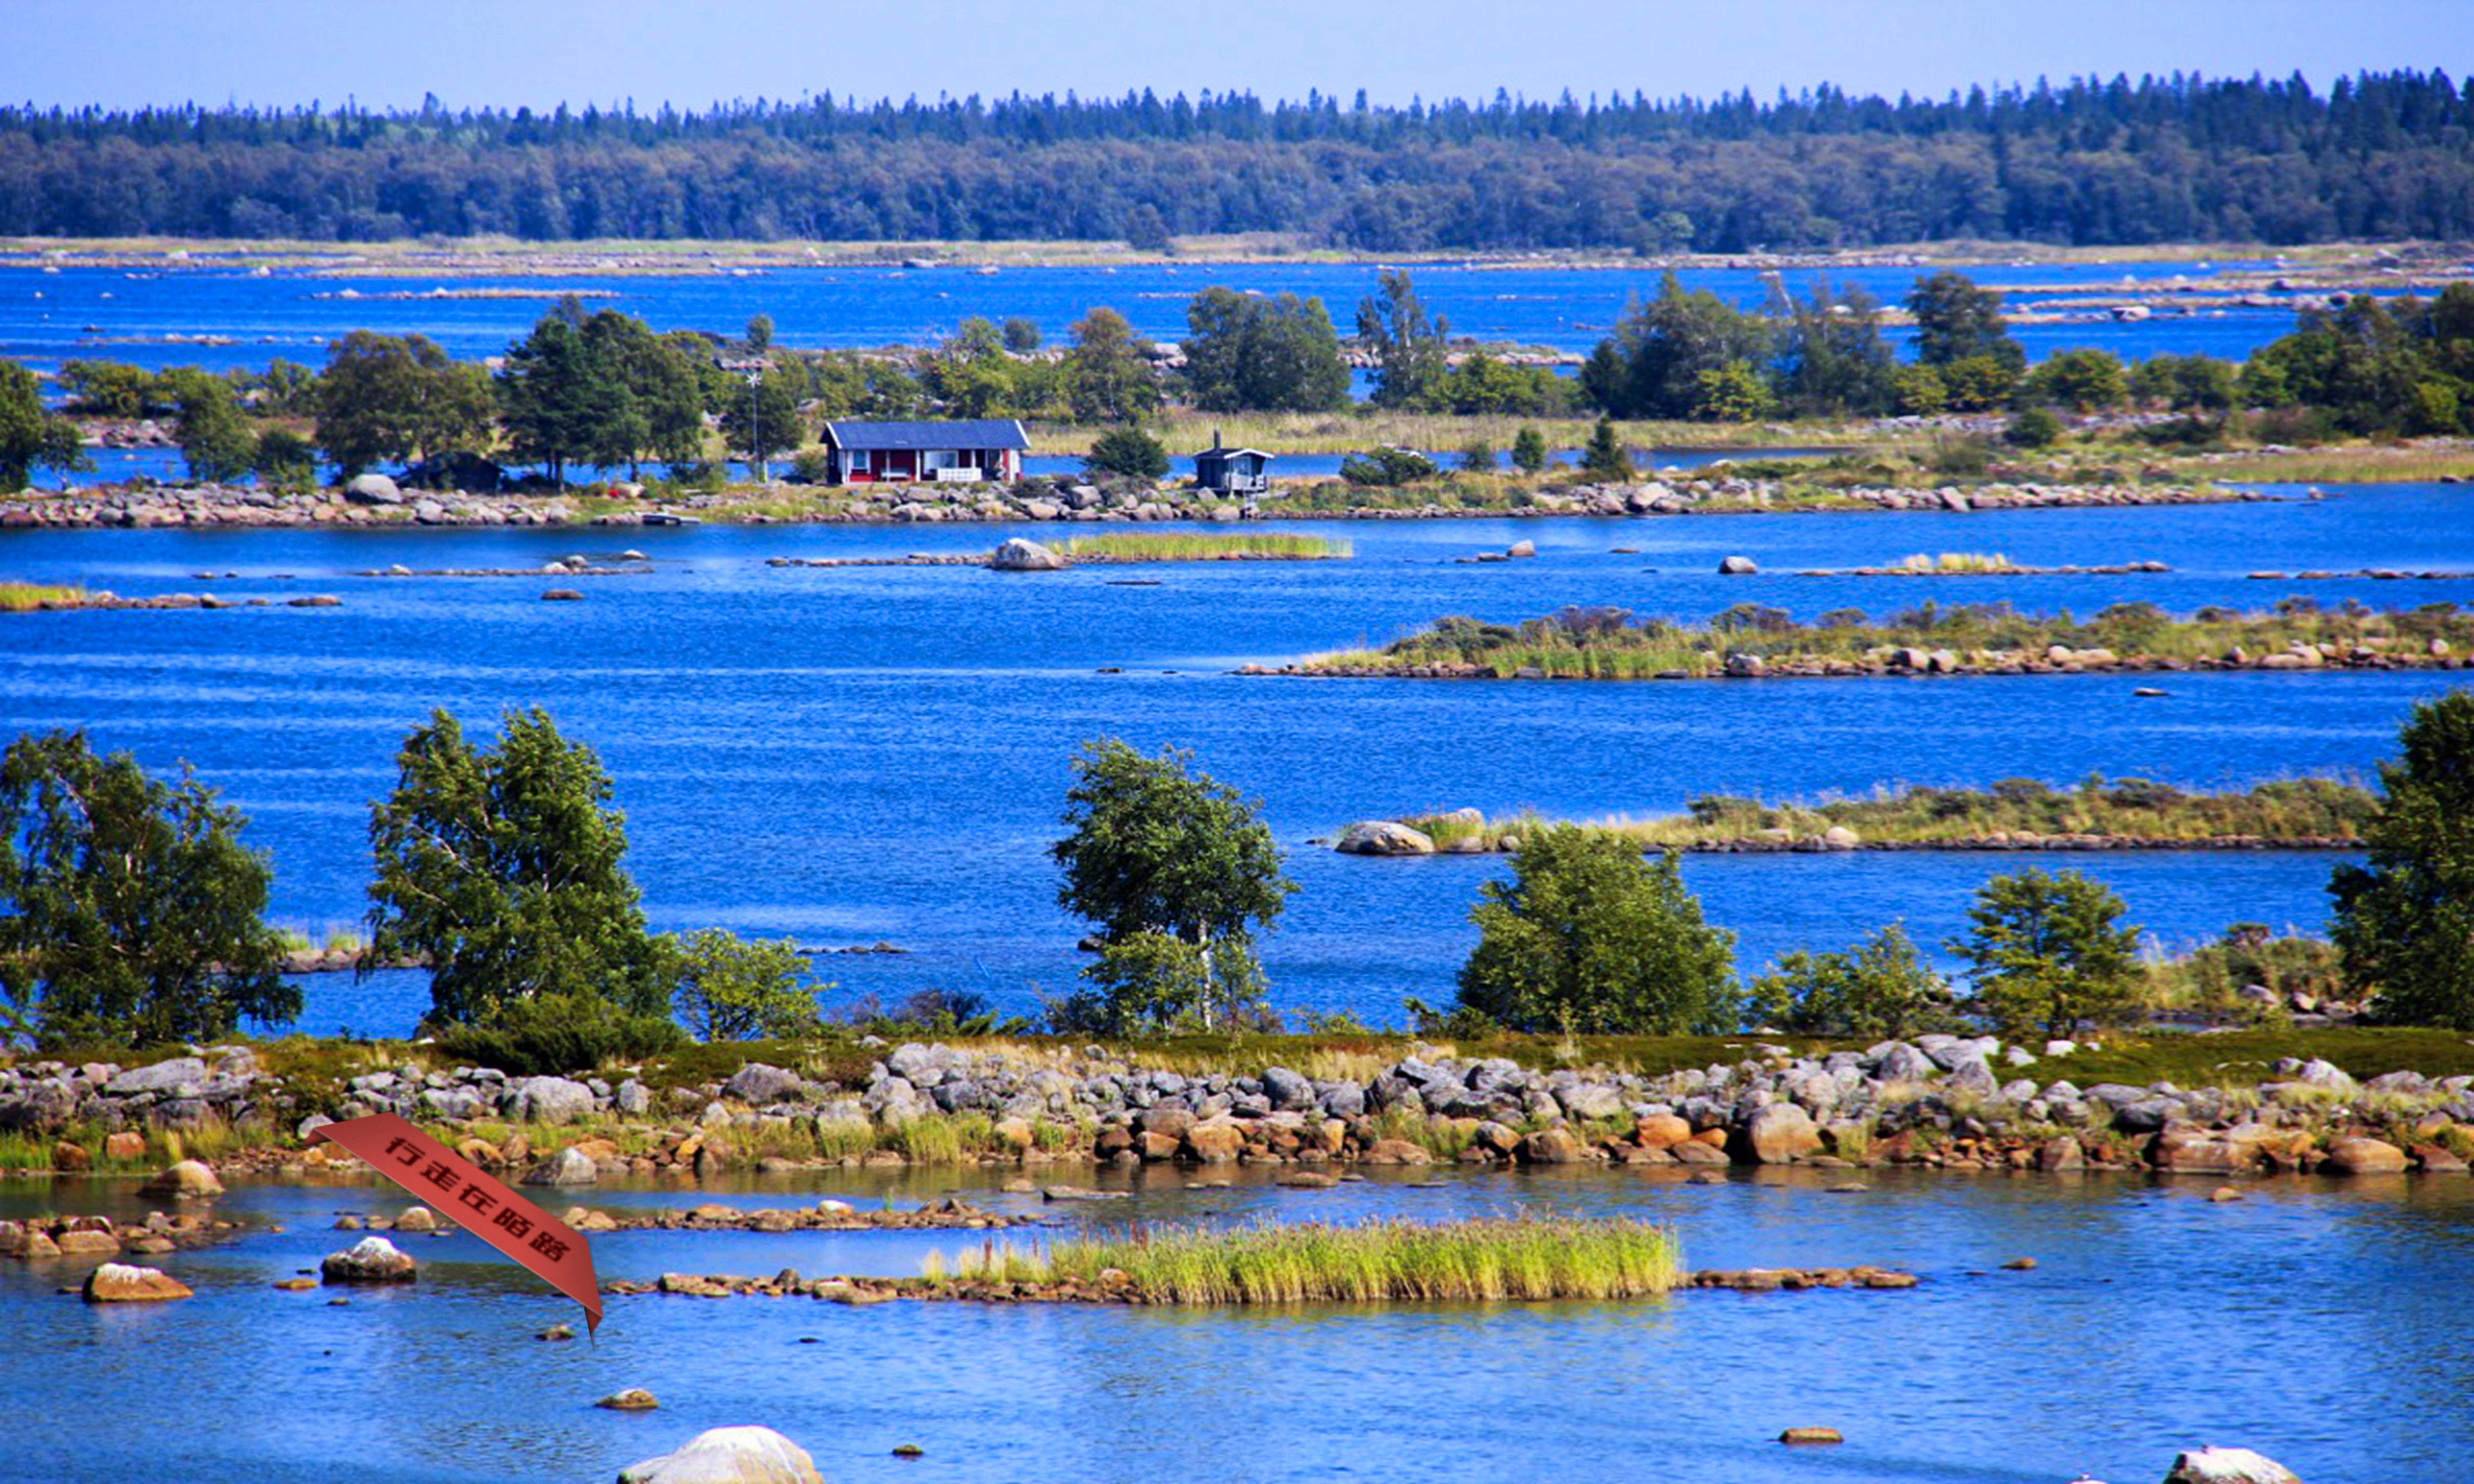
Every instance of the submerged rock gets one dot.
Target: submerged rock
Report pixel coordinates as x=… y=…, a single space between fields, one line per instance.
x=728 y=1455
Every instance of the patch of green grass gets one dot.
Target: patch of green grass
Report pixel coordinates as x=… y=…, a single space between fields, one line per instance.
x=2243 y=1058
x=26 y=597
x=1488 y=1259
x=2286 y=809
x=1602 y=644
x=1205 y=546
x=2360 y=464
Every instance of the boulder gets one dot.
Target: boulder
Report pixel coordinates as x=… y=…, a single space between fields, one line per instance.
x=173 y=1079
x=2228 y=1466
x=1018 y=555
x=1384 y=837
x=1552 y=1147
x=1737 y=566
x=1778 y=1134
x=553 y=1100
x=1287 y=1090
x=635 y=1398
x=1661 y=1131
x=1396 y=1150
x=1746 y=667
x=374 y=1260
x=124 y=1145
x=1215 y=1140
x=757 y=1084
x=1519 y=549
x=119 y=1283
x=569 y=1166
x=2364 y=1157
x=191 y=1179
x=728 y=1455
x=417 y=1218
x=372 y=489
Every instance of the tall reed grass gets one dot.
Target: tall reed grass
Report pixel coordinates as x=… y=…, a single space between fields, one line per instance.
x=1513 y=1258
x=1206 y=547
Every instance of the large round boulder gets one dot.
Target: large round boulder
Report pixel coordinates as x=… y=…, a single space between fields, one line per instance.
x=120 y=1282
x=191 y=1179
x=2364 y=1157
x=1778 y=1134
x=1384 y=837
x=372 y=1259
x=372 y=489
x=728 y=1455
x=1021 y=556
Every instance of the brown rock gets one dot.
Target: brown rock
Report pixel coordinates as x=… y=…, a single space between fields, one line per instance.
x=69 y=1157
x=88 y=1244
x=1693 y=1151
x=635 y=1398
x=2060 y=1154
x=1216 y=1140
x=1661 y=1131
x=2364 y=1157
x=188 y=1179
x=1778 y=1134
x=116 y=1282
x=1397 y=1151
x=124 y=1145
x=1552 y=1147
x=1810 y=1435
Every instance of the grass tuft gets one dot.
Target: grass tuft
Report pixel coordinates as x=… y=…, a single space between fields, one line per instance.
x=1493 y=1258
x=1205 y=546
x=26 y=597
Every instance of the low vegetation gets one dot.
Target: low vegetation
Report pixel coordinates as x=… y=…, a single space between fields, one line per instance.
x=25 y=597
x=1612 y=643
x=2318 y=811
x=1204 y=547
x=1489 y=1260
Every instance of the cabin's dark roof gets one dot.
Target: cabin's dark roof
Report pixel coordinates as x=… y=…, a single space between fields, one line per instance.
x=990 y=433
x=1229 y=453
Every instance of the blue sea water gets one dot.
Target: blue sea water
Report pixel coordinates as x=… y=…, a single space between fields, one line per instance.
x=880 y=753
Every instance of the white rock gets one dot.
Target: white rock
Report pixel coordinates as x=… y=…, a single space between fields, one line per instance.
x=2228 y=1466
x=729 y=1455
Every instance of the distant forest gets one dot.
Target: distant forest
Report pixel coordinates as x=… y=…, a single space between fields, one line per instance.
x=2161 y=160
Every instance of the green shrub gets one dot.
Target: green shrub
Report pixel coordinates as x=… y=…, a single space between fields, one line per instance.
x=552 y=1035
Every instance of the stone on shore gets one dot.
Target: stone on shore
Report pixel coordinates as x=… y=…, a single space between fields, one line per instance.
x=119 y=1283
x=569 y=1166
x=191 y=1179
x=2364 y=1157
x=1384 y=837
x=1018 y=555
x=554 y=1100
x=372 y=489
x=2228 y=1466
x=372 y=1259
x=1778 y=1134
x=728 y=1455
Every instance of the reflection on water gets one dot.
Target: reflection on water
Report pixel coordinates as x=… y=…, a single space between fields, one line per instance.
x=2154 y=1321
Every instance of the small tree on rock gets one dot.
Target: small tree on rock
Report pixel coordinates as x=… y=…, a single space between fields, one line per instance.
x=2048 y=954
x=2405 y=917
x=1529 y=452
x=1591 y=937
x=130 y=911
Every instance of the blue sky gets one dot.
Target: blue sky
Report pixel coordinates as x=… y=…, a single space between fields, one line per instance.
x=539 y=52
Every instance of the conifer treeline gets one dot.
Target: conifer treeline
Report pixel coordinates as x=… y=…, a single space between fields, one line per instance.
x=2173 y=158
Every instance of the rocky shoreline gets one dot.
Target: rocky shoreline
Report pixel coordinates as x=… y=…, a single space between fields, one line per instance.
x=1940 y=1101
x=375 y=501
x=1913 y=661
x=861 y=1292
x=1395 y=838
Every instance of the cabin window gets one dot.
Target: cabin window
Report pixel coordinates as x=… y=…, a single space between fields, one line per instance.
x=858 y=460
x=940 y=457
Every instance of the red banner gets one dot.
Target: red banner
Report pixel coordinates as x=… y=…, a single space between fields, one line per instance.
x=458 y=1189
